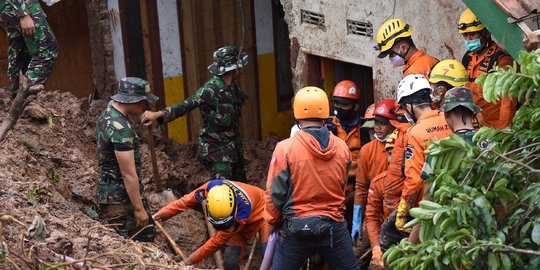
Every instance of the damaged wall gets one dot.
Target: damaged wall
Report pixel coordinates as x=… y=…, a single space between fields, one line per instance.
x=433 y=23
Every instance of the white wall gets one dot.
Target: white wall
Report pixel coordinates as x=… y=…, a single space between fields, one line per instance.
x=170 y=38
x=263 y=26
x=433 y=23
x=116 y=35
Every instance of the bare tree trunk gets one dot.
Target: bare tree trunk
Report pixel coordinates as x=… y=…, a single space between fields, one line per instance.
x=18 y=105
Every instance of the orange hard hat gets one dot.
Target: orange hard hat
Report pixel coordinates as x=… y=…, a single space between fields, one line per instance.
x=369 y=112
x=346 y=90
x=311 y=103
x=386 y=108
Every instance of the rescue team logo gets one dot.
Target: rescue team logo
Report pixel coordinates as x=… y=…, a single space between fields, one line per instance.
x=409 y=152
x=200 y=195
x=380 y=110
x=352 y=91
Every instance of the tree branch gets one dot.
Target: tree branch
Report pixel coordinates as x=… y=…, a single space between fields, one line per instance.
x=531 y=169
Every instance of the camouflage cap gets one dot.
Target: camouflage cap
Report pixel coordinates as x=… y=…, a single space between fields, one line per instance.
x=227 y=59
x=133 y=90
x=459 y=96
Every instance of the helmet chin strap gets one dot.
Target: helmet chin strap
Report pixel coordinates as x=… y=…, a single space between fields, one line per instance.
x=413 y=120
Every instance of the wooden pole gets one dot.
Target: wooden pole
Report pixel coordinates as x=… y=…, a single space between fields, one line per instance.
x=248 y=263
x=176 y=248
x=211 y=232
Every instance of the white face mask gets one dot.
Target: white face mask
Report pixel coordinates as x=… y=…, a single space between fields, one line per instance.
x=397 y=61
x=383 y=140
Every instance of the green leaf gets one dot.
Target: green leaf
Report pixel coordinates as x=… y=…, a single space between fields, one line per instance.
x=493 y=262
x=506 y=263
x=535 y=235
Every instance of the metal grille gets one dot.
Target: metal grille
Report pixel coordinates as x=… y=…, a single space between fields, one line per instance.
x=312 y=18
x=359 y=28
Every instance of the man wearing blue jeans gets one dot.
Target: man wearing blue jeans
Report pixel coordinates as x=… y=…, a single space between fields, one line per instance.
x=305 y=190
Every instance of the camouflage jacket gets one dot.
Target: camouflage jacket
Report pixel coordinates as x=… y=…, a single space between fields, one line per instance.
x=10 y=10
x=114 y=133
x=220 y=106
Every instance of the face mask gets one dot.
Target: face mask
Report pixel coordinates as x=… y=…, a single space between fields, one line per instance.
x=473 y=45
x=343 y=115
x=397 y=61
x=383 y=140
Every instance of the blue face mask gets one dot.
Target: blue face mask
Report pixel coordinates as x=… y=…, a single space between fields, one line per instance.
x=473 y=45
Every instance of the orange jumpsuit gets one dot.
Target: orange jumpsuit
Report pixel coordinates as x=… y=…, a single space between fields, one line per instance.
x=247 y=228
x=383 y=199
x=430 y=126
x=352 y=139
x=497 y=115
x=373 y=157
x=305 y=180
x=419 y=63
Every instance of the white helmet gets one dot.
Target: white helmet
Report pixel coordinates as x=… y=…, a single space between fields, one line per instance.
x=411 y=84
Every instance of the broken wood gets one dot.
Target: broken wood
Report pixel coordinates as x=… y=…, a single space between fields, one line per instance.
x=211 y=232
x=175 y=247
x=18 y=105
x=250 y=258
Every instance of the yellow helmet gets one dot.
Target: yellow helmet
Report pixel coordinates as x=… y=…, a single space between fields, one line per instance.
x=221 y=206
x=468 y=22
x=450 y=71
x=388 y=33
x=311 y=103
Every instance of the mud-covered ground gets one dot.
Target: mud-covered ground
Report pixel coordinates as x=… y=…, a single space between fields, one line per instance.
x=48 y=168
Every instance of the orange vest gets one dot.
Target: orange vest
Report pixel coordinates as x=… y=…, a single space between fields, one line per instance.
x=419 y=63
x=500 y=114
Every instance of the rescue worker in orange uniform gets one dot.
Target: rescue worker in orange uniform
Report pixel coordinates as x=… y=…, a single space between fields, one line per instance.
x=305 y=189
x=447 y=74
x=394 y=39
x=413 y=94
x=482 y=54
x=346 y=125
x=235 y=210
x=383 y=198
x=367 y=132
x=372 y=161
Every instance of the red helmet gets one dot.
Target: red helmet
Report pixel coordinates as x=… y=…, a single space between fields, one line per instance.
x=386 y=108
x=347 y=89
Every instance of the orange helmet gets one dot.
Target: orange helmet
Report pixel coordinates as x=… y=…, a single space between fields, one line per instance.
x=346 y=90
x=386 y=108
x=311 y=103
x=369 y=112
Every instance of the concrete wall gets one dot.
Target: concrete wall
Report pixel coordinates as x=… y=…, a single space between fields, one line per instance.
x=272 y=120
x=433 y=23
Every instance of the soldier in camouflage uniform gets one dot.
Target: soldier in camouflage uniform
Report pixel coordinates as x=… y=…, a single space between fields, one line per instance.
x=120 y=191
x=220 y=102
x=32 y=45
x=459 y=110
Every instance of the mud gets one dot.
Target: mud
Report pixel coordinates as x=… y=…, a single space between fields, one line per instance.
x=49 y=168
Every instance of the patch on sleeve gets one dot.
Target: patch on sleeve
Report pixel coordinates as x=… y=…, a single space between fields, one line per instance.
x=200 y=195
x=408 y=153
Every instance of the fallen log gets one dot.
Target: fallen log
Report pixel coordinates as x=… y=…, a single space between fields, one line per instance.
x=18 y=105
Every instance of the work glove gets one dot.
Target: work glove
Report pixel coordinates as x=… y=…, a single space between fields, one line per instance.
x=358 y=210
x=402 y=215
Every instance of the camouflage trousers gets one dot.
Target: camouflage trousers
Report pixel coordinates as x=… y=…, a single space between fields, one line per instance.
x=228 y=170
x=114 y=207
x=34 y=56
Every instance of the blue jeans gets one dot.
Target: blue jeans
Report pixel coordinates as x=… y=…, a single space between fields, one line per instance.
x=335 y=248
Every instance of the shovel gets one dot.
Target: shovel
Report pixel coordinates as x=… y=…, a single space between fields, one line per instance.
x=165 y=196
